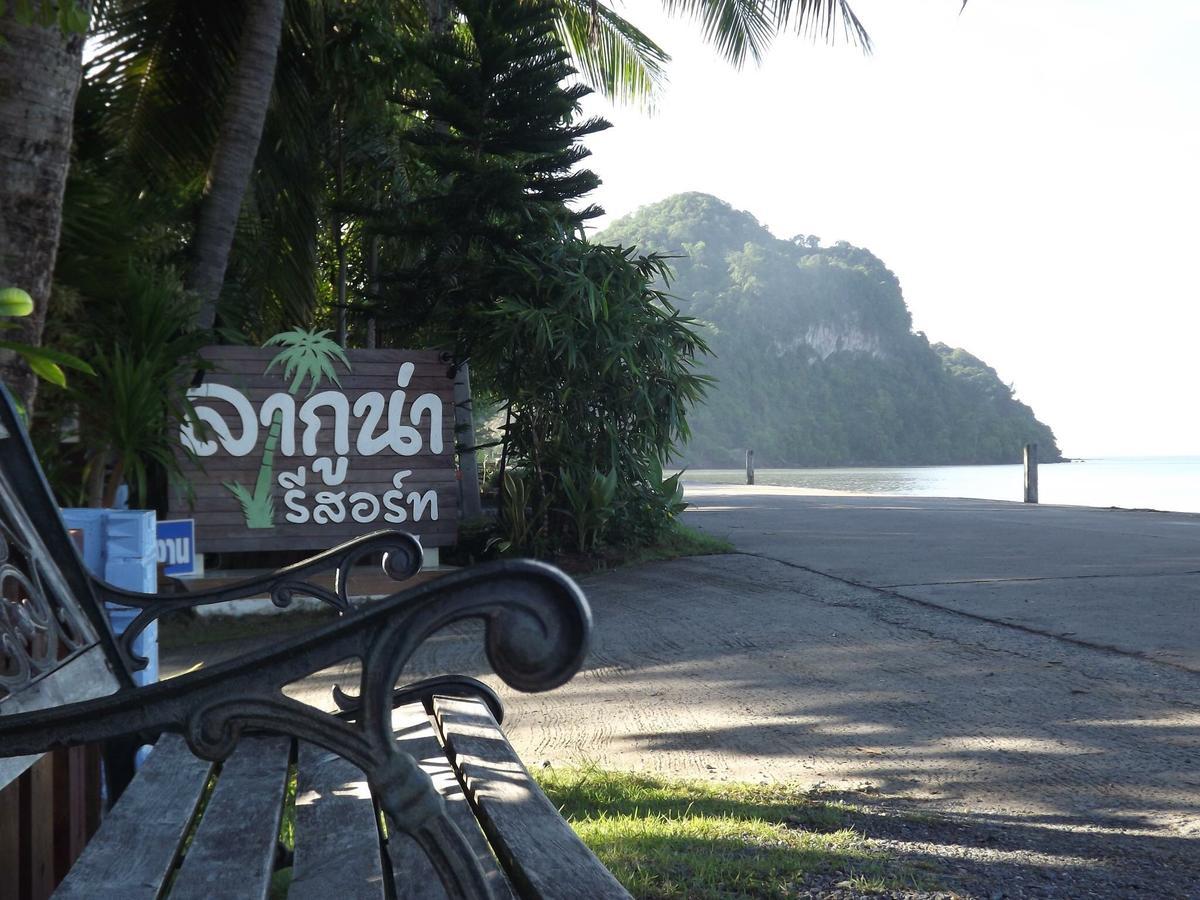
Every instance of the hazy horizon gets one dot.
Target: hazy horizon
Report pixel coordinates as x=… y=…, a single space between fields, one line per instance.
x=1026 y=169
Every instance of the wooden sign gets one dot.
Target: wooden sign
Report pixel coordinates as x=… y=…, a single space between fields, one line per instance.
x=305 y=445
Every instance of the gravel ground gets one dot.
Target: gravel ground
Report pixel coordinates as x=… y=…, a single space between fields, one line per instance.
x=1002 y=763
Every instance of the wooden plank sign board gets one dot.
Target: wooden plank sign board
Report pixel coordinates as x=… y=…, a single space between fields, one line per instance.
x=301 y=445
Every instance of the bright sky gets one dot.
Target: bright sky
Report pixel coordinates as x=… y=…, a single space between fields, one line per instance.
x=1029 y=169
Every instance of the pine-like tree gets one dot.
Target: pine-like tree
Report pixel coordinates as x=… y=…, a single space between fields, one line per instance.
x=494 y=148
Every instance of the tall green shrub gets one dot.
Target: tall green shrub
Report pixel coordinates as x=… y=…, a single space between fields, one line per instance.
x=597 y=369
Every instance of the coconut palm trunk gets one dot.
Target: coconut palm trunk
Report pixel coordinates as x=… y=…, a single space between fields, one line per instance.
x=40 y=69
x=440 y=13
x=233 y=159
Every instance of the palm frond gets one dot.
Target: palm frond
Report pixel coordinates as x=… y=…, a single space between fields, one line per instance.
x=614 y=56
x=820 y=19
x=737 y=28
x=168 y=65
x=742 y=29
x=161 y=76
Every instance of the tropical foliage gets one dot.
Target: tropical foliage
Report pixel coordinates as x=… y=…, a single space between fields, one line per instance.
x=597 y=372
x=592 y=367
x=489 y=168
x=815 y=359
x=46 y=363
x=183 y=90
x=137 y=332
x=416 y=183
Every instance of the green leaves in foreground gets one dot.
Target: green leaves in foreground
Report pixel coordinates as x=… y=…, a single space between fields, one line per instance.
x=46 y=363
x=590 y=504
x=145 y=353
x=71 y=17
x=709 y=840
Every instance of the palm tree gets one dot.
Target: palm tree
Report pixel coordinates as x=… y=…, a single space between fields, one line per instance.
x=39 y=72
x=233 y=160
x=192 y=89
x=307 y=354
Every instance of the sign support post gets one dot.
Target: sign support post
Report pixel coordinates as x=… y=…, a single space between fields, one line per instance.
x=464 y=435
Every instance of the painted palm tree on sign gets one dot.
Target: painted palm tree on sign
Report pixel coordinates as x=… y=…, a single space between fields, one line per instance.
x=306 y=355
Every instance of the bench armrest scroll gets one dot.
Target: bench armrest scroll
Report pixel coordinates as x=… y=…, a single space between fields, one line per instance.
x=402 y=556
x=423 y=692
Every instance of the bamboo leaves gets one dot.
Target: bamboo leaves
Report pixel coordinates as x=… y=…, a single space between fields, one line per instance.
x=590 y=504
x=599 y=394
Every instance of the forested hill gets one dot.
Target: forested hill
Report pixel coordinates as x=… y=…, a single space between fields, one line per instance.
x=816 y=359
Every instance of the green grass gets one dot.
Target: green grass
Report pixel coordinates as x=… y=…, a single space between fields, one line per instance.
x=281 y=879
x=675 y=839
x=679 y=541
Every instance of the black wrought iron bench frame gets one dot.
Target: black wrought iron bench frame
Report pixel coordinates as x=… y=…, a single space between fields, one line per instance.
x=537 y=625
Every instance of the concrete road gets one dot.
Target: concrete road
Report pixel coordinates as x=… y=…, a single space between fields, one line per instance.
x=1031 y=669
x=1118 y=579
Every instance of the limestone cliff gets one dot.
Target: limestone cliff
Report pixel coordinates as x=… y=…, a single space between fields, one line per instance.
x=815 y=354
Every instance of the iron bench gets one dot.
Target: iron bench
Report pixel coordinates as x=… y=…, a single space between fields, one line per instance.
x=400 y=791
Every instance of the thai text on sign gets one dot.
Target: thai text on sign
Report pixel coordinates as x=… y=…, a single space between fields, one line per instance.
x=300 y=444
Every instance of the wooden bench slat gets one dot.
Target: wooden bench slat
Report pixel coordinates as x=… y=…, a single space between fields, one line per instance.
x=414 y=875
x=134 y=852
x=338 y=848
x=233 y=852
x=543 y=856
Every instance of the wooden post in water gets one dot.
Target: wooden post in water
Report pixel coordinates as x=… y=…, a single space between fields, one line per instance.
x=1031 y=489
x=749 y=467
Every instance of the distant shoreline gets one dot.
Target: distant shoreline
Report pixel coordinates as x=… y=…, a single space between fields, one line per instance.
x=671 y=470
x=1133 y=483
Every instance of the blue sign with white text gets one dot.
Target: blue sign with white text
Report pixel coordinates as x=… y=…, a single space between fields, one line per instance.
x=177 y=546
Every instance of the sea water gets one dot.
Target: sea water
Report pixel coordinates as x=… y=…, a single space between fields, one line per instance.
x=1164 y=483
